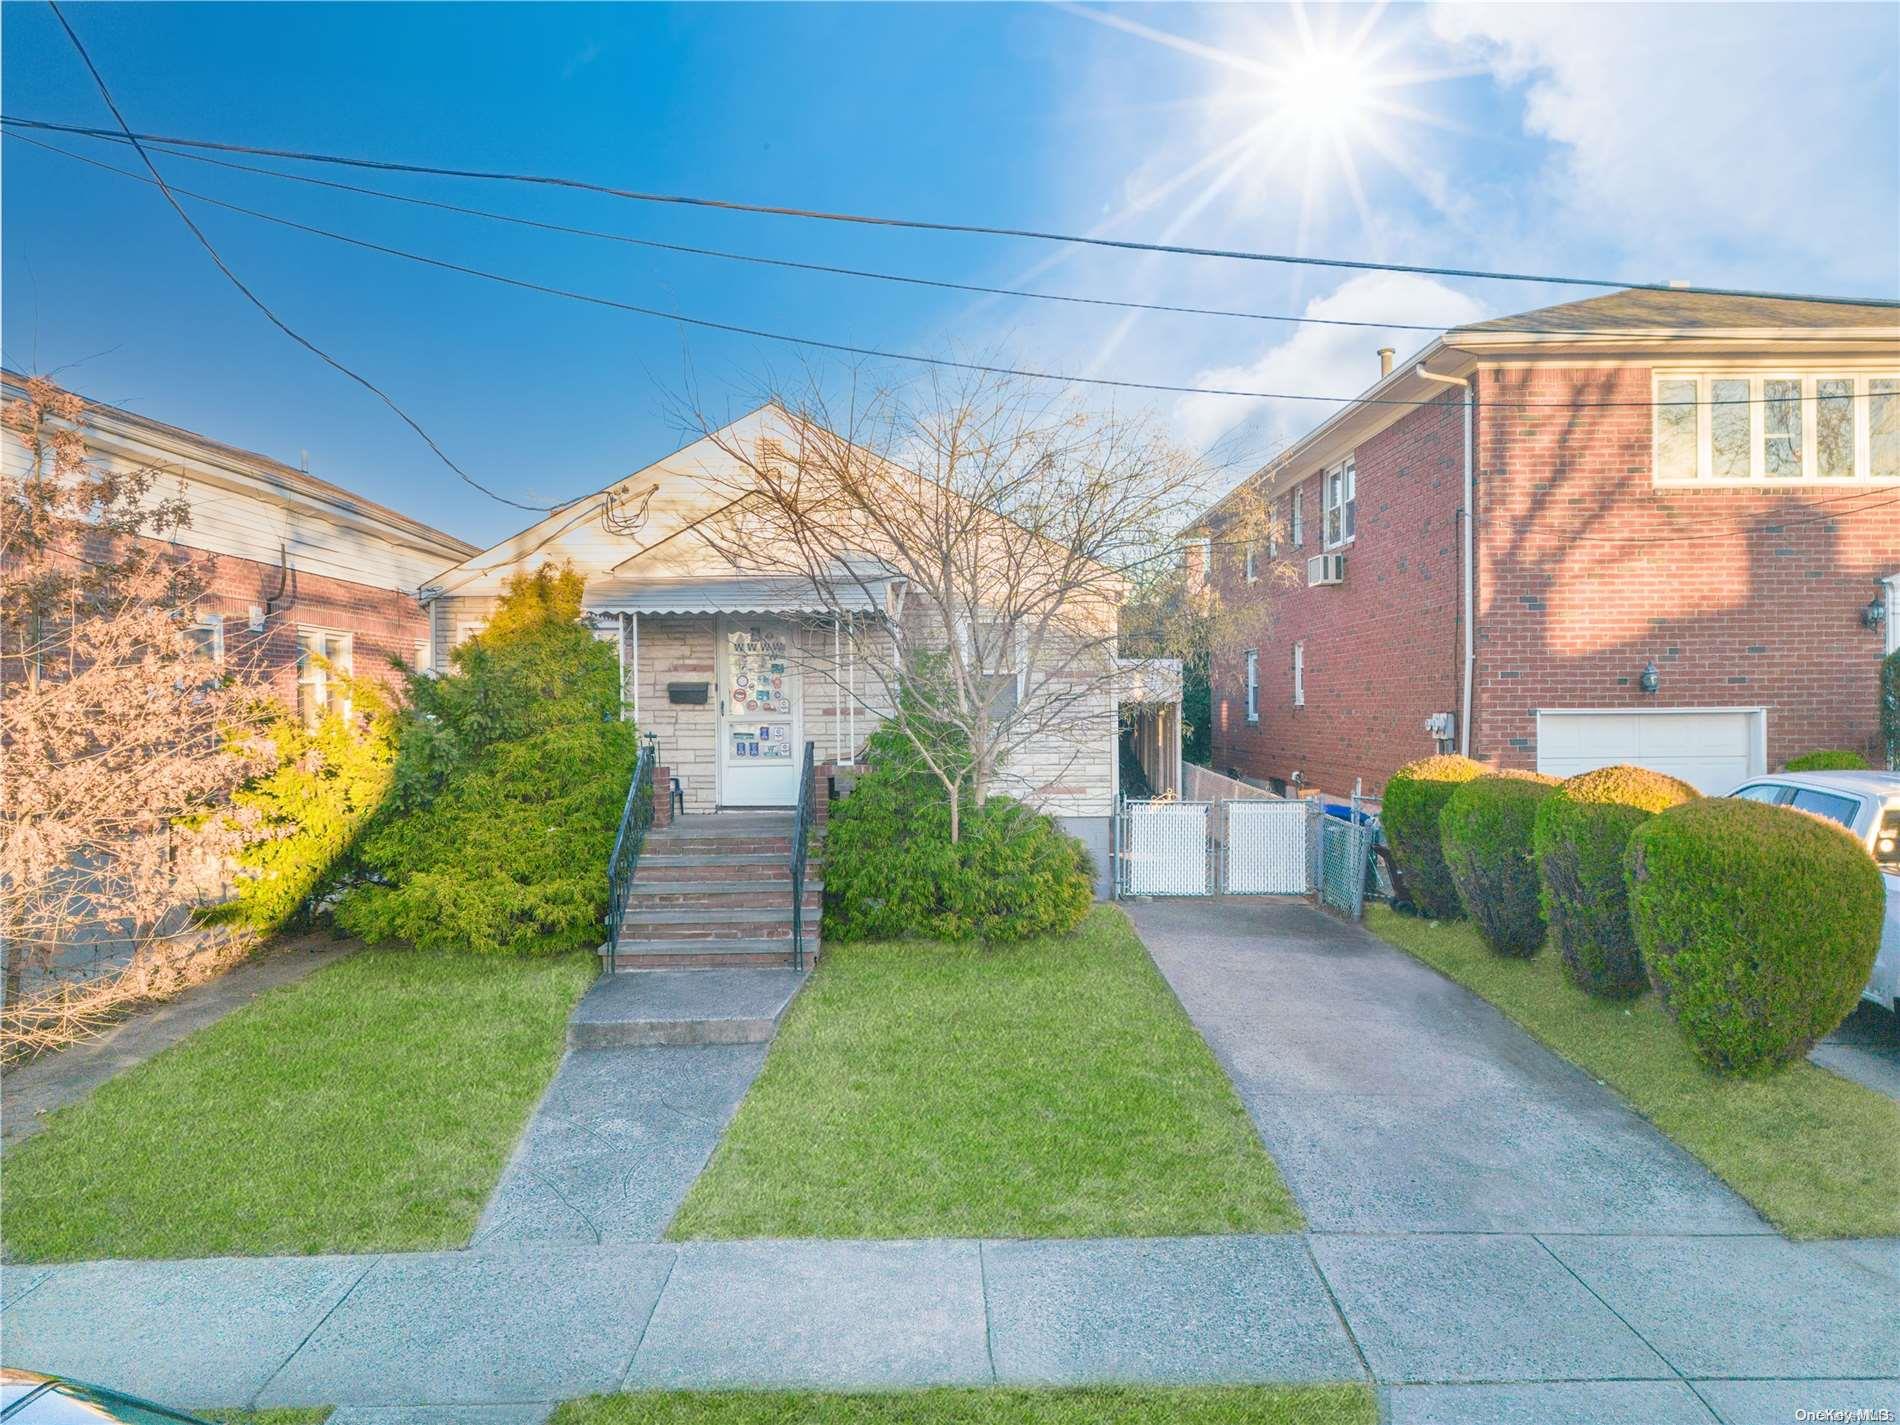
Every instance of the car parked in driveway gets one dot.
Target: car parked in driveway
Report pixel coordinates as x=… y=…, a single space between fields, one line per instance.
x=1868 y=805
x=29 y=1398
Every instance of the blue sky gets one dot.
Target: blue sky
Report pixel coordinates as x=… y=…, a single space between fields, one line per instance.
x=1749 y=145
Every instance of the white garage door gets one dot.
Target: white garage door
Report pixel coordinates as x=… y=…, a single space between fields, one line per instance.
x=1711 y=749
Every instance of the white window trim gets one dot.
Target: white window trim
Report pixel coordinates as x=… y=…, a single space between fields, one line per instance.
x=1253 y=685
x=348 y=661
x=1299 y=675
x=1348 y=470
x=1253 y=570
x=215 y=624
x=1204 y=574
x=1893 y=613
x=1810 y=409
x=1296 y=522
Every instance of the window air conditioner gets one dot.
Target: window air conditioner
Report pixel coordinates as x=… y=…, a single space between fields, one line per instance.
x=1325 y=569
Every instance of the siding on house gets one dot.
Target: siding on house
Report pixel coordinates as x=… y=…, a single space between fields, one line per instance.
x=299 y=551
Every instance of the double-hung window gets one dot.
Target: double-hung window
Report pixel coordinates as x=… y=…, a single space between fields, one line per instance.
x=206 y=636
x=1296 y=523
x=323 y=665
x=1200 y=562
x=1342 y=503
x=1253 y=686
x=1775 y=427
x=1253 y=568
x=1299 y=675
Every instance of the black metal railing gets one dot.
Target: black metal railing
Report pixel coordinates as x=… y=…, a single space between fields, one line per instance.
x=635 y=818
x=801 y=840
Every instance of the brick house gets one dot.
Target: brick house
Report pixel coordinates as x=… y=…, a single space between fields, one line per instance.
x=300 y=565
x=1683 y=549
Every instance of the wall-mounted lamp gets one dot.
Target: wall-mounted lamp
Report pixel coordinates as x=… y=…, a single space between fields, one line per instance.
x=1652 y=677
x=1875 y=614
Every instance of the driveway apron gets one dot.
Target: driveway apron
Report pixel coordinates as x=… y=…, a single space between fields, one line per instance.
x=1396 y=1101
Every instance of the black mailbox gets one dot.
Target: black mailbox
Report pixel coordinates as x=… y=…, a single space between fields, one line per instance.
x=693 y=693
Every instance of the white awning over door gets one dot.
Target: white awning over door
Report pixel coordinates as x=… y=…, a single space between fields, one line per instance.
x=1712 y=749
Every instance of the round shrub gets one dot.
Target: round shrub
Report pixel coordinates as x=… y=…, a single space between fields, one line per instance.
x=1582 y=833
x=1828 y=759
x=1485 y=831
x=1414 y=797
x=1759 y=925
x=892 y=872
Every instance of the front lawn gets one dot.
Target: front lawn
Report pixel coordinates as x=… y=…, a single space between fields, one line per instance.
x=1204 y=1405
x=1817 y=1155
x=370 y=1107
x=1049 y=1089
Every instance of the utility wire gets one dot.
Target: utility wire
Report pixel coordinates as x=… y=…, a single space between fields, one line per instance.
x=923 y=225
x=850 y=349
x=252 y=297
x=763 y=260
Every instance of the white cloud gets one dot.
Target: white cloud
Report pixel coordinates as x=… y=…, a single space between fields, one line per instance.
x=1690 y=134
x=1317 y=361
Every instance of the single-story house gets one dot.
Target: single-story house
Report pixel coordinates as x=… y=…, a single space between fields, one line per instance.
x=733 y=664
x=1656 y=527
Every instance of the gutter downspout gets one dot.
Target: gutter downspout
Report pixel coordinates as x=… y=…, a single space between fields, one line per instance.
x=1467 y=556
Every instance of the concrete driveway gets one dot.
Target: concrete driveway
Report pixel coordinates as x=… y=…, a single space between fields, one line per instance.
x=1396 y=1101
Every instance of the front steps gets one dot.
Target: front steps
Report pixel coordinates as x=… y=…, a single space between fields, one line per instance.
x=715 y=892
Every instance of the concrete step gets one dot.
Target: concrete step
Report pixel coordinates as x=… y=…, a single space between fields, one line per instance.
x=700 y=924
x=665 y=844
x=718 y=895
x=765 y=868
x=683 y=1007
x=644 y=955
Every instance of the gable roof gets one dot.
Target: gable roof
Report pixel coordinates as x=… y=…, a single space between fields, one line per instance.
x=103 y=419
x=1647 y=309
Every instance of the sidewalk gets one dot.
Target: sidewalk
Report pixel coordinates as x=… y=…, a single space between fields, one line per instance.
x=1456 y=1325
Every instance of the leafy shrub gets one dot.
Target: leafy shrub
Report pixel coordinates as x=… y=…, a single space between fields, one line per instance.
x=302 y=818
x=1581 y=835
x=1485 y=830
x=1414 y=797
x=1828 y=759
x=892 y=872
x=510 y=776
x=1759 y=925
x=510 y=856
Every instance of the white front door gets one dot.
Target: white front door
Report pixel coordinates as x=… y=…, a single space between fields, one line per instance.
x=761 y=721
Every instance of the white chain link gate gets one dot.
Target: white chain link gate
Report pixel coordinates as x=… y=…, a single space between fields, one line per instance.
x=1164 y=848
x=1268 y=848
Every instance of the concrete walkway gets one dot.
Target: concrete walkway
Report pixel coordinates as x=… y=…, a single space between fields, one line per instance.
x=1396 y=1101
x=31 y=1091
x=1866 y=1049
x=1481 y=1327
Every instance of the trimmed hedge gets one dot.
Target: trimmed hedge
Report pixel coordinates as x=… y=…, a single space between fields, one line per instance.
x=1580 y=839
x=1414 y=797
x=1485 y=831
x=1759 y=925
x=892 y=872
x=1828 y=759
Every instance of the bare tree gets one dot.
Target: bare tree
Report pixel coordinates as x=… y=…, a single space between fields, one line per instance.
x=119 y=726
x=976 y=542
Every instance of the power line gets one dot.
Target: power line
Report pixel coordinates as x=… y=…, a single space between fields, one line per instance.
x=158 y=179
x=924 y=225
x=764 y=260
x=878 y=353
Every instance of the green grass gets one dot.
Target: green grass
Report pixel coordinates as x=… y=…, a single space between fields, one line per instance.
x=1049 y=1089
x=1204 y=1405
x=369 y=1107
x=283 y=1415
x=1818 y=1155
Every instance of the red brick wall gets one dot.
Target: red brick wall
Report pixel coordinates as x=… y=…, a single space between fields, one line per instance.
x=1567 y=618
x=383 y=622
x=1382 y=648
